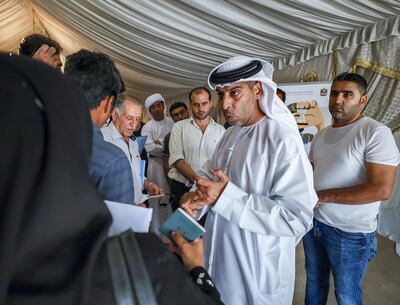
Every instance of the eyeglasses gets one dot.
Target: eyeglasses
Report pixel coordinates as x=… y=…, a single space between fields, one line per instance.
x=179 y=114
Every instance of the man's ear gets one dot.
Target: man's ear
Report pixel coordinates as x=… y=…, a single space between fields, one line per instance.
x=258 y=90
x=114 y=115
x=107 y=104
x=363 y=101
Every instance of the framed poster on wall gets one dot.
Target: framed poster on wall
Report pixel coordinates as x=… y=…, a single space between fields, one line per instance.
x=309 y=104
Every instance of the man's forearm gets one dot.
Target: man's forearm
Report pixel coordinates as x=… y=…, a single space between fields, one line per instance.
x=165 y=165
x=185 y=170
x=355 y=195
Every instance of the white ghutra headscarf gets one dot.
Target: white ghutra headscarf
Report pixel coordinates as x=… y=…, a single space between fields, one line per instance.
x=269 y=103
x=156 y=97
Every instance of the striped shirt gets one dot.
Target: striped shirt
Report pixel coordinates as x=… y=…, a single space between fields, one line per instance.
x=110 y=170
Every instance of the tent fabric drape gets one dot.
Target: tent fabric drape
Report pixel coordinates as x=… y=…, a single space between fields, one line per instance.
x=16 y=21
x=170 y=46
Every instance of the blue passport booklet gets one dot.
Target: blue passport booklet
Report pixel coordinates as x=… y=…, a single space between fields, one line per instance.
x=183 y=223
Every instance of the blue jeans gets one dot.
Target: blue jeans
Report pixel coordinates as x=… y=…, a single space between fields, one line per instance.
x=346 y=254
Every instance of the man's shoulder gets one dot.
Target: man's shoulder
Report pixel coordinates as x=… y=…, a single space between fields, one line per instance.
x=278 y=130
x=148 y=123
x=370 y=129
x=367 y=126
x=166 y=121
x=218 y=126
x=107 y=133
x=370 y=121
x=361 y=132
x=106 y=154
x=361 y=127
x=282 y=139
x=182 y=122
x=147 y=128
x=181 y=125
x=268 y=131
x=372 y=124
x=152 y=122
x=105 y=129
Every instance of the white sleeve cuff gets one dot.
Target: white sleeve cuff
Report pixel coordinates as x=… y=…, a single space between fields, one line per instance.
x=233 y=201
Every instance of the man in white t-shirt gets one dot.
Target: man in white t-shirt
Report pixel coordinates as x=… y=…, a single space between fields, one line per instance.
x=354 y=164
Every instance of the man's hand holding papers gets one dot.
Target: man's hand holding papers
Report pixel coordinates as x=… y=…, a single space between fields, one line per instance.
x=207 y=192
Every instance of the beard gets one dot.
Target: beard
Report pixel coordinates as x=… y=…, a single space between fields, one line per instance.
x=344 y=114
x=158 y=116
x=337 y=115
x=201 y=115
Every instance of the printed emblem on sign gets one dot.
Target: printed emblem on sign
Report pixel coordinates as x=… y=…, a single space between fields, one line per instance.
x=323 y=92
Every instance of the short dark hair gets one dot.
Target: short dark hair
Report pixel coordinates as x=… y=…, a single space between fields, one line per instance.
x=353 y=77
x=30 y=44
x=281 y=92
x=177 y=105
x=95 y=73
x=197 y=90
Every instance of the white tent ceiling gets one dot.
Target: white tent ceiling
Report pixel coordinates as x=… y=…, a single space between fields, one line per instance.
x=170 y=46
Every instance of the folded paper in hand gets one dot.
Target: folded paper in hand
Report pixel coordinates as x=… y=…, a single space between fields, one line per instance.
x=127 y=216
x=147 y=197
x=183 y=223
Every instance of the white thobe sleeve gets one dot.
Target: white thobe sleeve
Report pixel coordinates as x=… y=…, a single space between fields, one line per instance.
x=150 y=146
x=286 y=211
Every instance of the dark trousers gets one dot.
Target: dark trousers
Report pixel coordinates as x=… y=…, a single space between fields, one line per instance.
x=177 y=190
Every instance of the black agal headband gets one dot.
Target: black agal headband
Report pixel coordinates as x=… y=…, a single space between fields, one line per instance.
x=220 y=78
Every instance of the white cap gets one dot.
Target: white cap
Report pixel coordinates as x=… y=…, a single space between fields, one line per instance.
x=156 y=97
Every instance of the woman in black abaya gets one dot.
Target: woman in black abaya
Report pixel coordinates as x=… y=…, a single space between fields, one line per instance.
x=53 y=223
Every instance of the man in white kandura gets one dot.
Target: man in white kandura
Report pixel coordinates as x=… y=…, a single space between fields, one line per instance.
x=258 y=188
x=125 y=119
x=156 y=129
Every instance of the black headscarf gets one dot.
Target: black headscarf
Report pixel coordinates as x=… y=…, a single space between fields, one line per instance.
x=53 y=223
